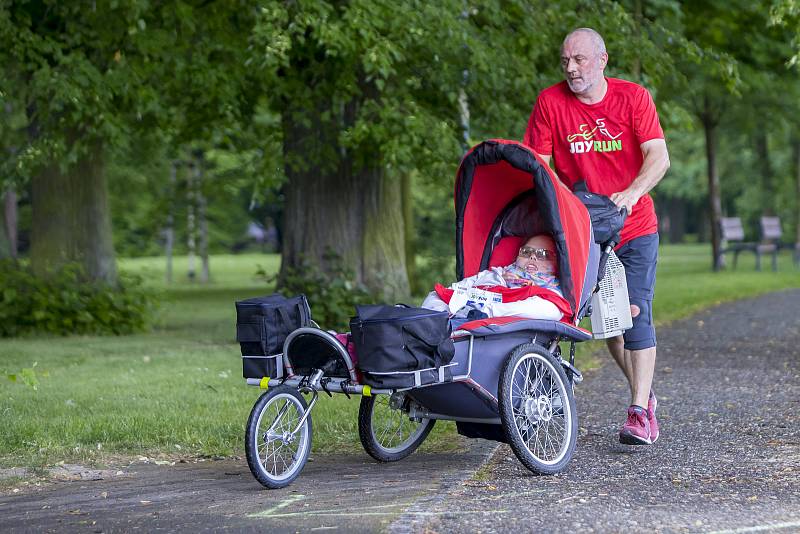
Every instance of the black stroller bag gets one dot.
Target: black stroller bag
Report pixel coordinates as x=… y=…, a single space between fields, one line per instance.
x=607 y=220
x=262 y=324
x=402 y=347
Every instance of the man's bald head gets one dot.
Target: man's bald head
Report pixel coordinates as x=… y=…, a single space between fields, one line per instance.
x=595 y=38
x=583 y=59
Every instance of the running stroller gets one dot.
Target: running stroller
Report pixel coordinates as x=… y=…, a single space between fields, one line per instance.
x=507 y=379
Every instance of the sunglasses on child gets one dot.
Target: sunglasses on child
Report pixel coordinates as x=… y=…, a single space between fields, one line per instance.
x=538 y=253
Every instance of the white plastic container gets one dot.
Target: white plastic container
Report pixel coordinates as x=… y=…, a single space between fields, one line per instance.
x=611 y=309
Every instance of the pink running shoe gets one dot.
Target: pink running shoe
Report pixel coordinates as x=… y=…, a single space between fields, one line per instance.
x=652 y=403
x=636 y=430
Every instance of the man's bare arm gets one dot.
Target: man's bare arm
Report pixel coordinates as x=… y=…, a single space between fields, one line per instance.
x=654 y=167
x=547 y=159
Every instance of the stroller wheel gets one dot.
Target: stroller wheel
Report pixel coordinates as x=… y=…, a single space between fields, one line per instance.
x=537 y=409
x=386 y=432
x=276 y=453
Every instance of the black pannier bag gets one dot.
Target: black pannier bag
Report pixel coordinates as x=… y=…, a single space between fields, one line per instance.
x=607 y=220
x=402 y=347
x=262 y=324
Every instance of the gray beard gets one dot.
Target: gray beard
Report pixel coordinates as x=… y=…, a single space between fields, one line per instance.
x=586 y=88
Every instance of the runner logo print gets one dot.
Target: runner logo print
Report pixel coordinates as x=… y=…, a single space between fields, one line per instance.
x=588 y=140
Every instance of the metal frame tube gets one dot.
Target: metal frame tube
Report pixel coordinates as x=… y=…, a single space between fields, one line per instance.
x=469 y=359
x=335 y=385
x=420 y=412
x=327 y=336
x=307 y=413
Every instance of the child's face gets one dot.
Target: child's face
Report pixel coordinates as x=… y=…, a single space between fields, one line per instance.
x=538 y=255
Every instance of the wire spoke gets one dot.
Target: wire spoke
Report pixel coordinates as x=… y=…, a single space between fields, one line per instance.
x=278 y=458
x=391 y=427
x=546 y=431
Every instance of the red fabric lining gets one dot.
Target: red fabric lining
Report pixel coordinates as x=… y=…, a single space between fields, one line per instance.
x=505 y=252
x=472 y=325
x=493 y=187
x=499 y=321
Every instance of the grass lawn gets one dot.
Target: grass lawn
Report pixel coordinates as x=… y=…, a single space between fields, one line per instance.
x=177 y=390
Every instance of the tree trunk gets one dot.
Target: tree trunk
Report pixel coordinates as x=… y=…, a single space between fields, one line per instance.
x=408 y=228
x=383 y=265
x=10 y=234
x=765 y=170
x=190 y=225
x=678 y=211
x=333 y=205
x=5 y=242
x=796 y=149
x=202 y=221
x=71 y=221
x=714 y=202
x=463 y=113
x=638 y=16
x=169 y=232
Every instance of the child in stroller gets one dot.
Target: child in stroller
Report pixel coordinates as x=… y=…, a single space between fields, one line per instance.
x=534 y=272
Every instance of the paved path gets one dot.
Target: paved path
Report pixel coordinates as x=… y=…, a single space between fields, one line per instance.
x=728 y=459
x=352 y=493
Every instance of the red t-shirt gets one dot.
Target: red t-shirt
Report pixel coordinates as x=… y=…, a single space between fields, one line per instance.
x=599 y=143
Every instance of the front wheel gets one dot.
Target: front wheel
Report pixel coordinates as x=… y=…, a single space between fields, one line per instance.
x=386 y=432
x=277 y=450
x=537 y=409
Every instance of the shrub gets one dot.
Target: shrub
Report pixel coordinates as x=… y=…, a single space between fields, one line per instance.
x=432 y=270
x=66 y=302
x=332 y=293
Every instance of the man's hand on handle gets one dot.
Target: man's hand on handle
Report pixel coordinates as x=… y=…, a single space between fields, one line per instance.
x=625 y=199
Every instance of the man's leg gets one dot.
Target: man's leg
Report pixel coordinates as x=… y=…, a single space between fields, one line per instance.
x=616 y=346
x=643 y=363
x=638 y=366
x=639 y=257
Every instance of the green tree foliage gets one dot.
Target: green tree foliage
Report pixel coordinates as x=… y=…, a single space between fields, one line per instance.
x=734 y=81
x=786 y=13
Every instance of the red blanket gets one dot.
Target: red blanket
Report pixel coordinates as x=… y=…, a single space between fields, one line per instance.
x=512 y=295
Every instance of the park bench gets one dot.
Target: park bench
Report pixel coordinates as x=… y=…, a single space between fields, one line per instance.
x=770 y=243
x=732 y=235
x=771 y=239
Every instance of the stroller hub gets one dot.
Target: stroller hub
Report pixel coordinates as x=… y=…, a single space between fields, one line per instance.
x=397 y=400
x=538 y=409
x=284 y=437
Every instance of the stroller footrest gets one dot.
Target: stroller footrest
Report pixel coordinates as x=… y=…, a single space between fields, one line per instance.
x=504 y=325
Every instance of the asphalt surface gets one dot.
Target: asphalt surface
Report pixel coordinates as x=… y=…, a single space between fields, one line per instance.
x=728 y=460
x=351 y=493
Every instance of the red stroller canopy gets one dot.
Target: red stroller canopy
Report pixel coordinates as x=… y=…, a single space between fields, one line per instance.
x=504 y=193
